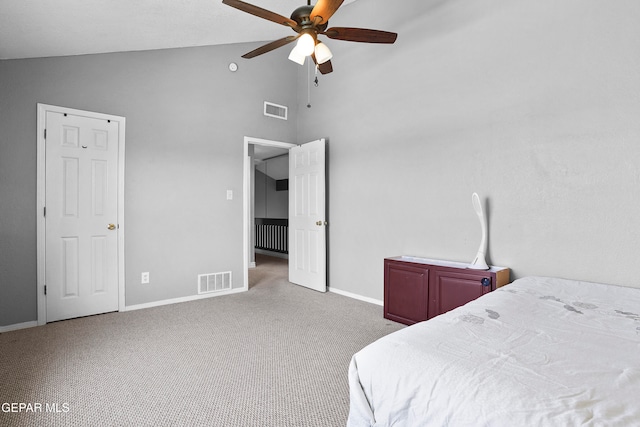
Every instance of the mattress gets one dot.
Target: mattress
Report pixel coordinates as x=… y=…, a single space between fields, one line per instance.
x=540 y=351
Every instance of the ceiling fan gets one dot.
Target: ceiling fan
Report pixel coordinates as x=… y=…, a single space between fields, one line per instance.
x=310 y=22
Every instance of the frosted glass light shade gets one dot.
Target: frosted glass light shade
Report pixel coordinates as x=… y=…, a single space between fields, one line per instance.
x=306 y=44
x=323 y=54
x=296 y=56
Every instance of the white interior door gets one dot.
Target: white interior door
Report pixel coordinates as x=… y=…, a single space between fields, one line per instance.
x=307 y=216
x=81 y=221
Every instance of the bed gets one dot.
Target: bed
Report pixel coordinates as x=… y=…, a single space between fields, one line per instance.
x=538 y=352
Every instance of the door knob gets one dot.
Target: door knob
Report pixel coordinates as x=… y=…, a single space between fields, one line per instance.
x=111 y=226
x=318 y=222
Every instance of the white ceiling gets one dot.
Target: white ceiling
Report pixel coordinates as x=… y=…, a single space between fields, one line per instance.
x=263 y=152
x=41 y=28
x=275 y=169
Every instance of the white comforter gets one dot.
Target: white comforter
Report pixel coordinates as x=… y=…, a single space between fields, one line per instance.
x=538 y=352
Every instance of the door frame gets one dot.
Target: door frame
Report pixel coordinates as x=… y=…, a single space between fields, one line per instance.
x=41 y=198
x=246 y=197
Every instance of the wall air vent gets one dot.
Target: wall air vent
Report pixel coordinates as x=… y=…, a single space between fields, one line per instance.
x=275 y=110
x=214 y=282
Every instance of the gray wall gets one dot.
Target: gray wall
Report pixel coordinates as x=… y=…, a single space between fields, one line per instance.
x=533 y=104
x=270 y=203
x=187 y=115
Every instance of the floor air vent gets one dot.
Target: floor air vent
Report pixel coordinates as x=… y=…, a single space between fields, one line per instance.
x=214 y=282
x=275 y=110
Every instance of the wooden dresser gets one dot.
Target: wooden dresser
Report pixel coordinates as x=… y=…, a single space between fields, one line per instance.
x=417 y=289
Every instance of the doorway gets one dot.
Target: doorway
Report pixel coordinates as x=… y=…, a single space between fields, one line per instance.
x=260 y=150
x=270 y=201
x=307 y=212
x=80 y=204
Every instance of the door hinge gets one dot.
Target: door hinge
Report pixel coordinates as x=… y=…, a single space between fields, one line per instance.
x=44 y=213
x=45 y=134
x=45 y=289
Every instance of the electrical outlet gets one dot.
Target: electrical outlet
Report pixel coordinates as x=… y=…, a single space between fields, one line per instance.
x=144 y=278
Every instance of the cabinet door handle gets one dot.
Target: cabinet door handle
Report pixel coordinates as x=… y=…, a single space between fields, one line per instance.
x=485 y=281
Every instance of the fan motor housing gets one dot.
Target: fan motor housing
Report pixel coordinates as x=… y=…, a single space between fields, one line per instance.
x=302 y=16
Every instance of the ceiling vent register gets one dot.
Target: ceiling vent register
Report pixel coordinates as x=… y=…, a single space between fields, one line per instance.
x=275 y=110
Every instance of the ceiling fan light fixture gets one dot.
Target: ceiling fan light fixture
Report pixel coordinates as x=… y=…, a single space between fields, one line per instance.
x=296 y=56
x=323 y=54
x=308 y=22
x=306 y=44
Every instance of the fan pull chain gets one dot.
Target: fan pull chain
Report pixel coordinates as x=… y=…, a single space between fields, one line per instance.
x=308 y=84
x=315 y=81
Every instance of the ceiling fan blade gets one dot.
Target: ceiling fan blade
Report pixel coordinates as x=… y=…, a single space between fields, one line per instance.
x=324 y=9
x=325 y=67
x=269 y=47
x=361 y=35
x=261 y=13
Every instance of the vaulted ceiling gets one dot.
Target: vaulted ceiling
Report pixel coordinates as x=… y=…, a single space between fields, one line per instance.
x=37 y=28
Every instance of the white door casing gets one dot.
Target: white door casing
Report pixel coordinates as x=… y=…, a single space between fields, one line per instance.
x=80 y=244
x=307 y=216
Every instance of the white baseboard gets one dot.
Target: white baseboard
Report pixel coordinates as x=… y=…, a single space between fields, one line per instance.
x=17 y=326
x=34 y=323
x=356 y=296
x=25 y=325
x=182 y=299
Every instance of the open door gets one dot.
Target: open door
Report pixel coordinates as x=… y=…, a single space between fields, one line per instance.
x=307 y=216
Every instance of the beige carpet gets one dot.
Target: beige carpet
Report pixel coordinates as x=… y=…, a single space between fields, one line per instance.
x=276 y=355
